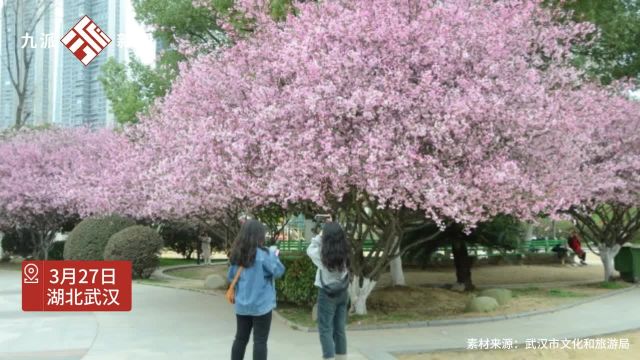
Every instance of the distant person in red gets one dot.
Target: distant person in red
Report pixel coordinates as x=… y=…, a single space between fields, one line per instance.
x=576 y=246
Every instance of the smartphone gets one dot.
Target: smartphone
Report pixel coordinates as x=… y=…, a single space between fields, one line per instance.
x=322 y=218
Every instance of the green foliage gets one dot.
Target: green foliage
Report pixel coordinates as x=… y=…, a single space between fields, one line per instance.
x=503 y=232
x=180 y=237
x=179 y=19
x=89 y=238
x=139 y=244
x=132 y=89
x=616 y=53
x=56 y=251
x=296 y=286
x=636 y=238
x=18 y=243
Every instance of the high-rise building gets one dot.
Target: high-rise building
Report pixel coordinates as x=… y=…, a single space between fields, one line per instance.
x=38 y=104
x=81 y=99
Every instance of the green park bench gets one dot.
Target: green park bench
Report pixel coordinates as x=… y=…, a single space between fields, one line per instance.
x=537 y=245
x=542 y=245
x=301 y=245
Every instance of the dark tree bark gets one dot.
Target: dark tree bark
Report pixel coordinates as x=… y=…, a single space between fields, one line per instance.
x=462 y=261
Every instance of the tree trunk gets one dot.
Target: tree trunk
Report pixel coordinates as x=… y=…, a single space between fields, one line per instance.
x=37 y=247
x=607 y=255
x=395 y=267
x=397 y=274
x=19 y=112
x=1 y=249
x=462 y=262
x=360 y=293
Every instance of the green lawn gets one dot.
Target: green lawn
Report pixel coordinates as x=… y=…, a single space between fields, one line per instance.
x=173 y=262
x=610 y=285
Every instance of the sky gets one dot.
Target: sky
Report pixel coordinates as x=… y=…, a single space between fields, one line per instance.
x=138 y=37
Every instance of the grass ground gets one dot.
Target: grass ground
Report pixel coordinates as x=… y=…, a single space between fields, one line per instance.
x=633 y=352
x=409 y=304
x=507 y=274
x=535 y=288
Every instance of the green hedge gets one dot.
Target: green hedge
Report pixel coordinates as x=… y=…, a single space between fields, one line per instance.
x=139 y=244
x=89 y=238
x=296 y=286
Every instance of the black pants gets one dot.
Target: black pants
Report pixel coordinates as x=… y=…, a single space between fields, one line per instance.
x=261 y=326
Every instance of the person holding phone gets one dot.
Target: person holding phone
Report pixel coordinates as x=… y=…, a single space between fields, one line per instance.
x=254 y=269
x=329 y=251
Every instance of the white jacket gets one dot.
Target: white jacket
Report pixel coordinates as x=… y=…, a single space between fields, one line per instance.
x=329 y=277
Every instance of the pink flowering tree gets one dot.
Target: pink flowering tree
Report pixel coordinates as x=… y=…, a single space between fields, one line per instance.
x=391 y=115
x=42 y=174
x=609 y=217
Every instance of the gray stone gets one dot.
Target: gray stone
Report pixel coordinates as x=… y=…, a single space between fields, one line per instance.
x=314 y=313
x=215 y=281
x=482 y=304
x=502 y=296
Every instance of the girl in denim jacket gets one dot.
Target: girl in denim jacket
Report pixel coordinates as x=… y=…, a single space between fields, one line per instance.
x=255 y=295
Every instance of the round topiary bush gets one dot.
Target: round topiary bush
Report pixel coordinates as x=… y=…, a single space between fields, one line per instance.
x=89 y=238
x=296 y=286
x=139 y=244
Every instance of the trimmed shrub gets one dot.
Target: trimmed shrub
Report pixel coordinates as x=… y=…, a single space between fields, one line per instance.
x=296 y=286
x=139 y=244
x=56 y=251
x=89 y=238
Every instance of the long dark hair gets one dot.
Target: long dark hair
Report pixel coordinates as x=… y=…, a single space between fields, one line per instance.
x=335 y=249
x=250 y=238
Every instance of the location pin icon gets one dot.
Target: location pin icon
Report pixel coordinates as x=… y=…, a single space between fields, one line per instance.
x=31 y=273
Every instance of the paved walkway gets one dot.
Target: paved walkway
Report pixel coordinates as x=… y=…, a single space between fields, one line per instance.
x=173 y=324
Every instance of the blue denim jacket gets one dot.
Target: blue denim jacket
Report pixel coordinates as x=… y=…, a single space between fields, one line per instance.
x=255 y=290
